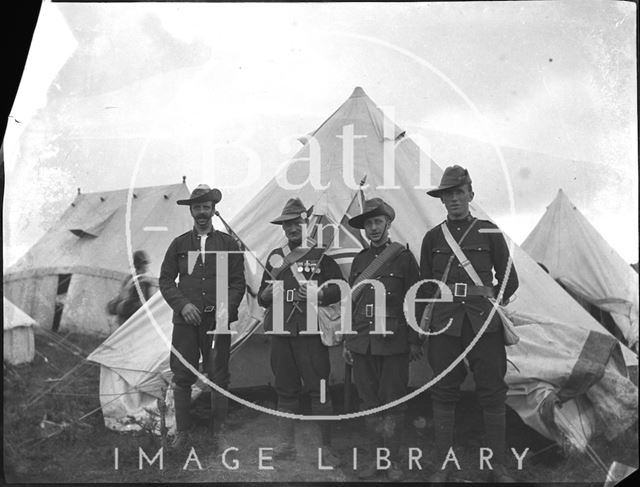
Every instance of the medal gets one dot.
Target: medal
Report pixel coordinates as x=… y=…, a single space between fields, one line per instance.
x=276 y=261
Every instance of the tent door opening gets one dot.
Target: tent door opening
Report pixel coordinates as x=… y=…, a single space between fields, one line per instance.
x=63 y=286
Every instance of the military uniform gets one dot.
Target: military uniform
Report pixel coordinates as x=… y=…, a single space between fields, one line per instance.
x=460 y=321
x=297 y=358
x=197 y=286
x=299 y=362
x=381 y=363
x=466 y=315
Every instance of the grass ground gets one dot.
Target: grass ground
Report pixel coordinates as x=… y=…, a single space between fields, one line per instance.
x=36 y=450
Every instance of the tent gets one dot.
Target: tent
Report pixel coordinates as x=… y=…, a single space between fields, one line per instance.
x=65 y=280
x=19 y=346
x=397 y=170
x=586 y=265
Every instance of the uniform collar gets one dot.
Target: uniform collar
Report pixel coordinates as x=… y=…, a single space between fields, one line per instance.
x=468 y=219
x=380 y=248
x=196 y=234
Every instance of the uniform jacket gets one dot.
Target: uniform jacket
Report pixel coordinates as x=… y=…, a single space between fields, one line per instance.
x=329 y=269
x=397 y=277
x=489 y=255
x=198 y=285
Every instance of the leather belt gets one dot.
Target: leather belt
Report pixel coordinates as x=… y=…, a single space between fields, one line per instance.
x=462 y=290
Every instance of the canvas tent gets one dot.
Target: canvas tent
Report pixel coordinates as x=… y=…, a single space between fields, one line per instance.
x=582 y=260
x=17 y=337
x=65 y=280
x=401 y=181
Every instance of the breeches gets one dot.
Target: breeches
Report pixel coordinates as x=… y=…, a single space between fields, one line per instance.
x=380 y=379
x=192 y=342
x=298 y=364
x=487 y=360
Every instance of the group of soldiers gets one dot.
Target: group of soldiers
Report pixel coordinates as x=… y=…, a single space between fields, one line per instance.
x=380 y=362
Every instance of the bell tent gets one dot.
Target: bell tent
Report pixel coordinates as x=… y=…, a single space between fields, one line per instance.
x=359 y=140
x=17 y=337
x=66 y=279
x=579 y=257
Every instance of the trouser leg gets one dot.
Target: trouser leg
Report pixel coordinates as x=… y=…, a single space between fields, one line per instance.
x=182 y=400
x=185 y=344
x=217 y=366
x=443 y=350
x=488 y=362
x=288 y=387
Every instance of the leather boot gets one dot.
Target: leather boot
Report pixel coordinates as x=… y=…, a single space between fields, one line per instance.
x=220 y=408
x=393 y=431
x=373 y=427
x=444 y=424
x=495 y=432
x=286 y=447
x=329 y=456
x=182 y=401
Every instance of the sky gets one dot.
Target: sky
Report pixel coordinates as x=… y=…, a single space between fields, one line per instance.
x=144 y=93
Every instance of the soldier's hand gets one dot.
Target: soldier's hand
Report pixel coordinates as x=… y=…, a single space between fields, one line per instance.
x=191 y=314
x=267 y=293
x=346 y=355
x=415 y=352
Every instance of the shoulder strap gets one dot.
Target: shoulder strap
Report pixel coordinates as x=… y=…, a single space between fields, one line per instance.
x=290 y=256
x=460 y=255
x=371 y=271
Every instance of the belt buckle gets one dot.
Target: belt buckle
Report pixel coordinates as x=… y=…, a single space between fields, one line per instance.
x=368 y=310
x=460 y=285
x=290 y=295
x=209 y=309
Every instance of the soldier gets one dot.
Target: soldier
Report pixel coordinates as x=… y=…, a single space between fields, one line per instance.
x=459 y=321
x=193 y=302
x=299 y=362
x=381 y=363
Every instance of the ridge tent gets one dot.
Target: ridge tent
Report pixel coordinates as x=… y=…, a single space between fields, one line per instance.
x=581 y=259
x=66 y=279
x=19 y=345
x=401 y=181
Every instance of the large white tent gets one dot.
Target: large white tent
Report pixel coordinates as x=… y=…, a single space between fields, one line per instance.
x=80 y=263
x=325 y=173
x=17 y=337
x=579 y=257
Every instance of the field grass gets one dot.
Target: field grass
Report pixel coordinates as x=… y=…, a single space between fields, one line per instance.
x=37 y=450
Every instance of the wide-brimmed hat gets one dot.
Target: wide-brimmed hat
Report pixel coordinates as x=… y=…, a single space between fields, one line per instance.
x=453 y=177
x=202 y=193
x=294 y=208
x=371 y=208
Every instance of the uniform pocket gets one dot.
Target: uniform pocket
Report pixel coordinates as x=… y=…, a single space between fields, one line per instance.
x=479 y=255
x=393 y=290
x=439 y=258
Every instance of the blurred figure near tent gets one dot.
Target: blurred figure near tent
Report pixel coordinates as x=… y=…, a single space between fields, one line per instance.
x=194 y=305
x=130 y=299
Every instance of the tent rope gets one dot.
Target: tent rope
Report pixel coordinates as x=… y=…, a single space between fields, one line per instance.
x=36 y=397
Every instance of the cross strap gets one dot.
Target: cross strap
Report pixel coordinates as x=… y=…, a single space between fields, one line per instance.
x=387 y=255
x=290 y=257
x=462 y=258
